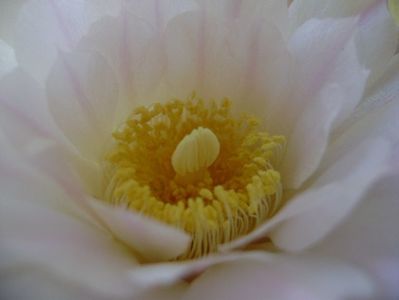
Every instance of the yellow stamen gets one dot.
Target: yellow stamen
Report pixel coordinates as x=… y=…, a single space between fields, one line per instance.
x=193 y=165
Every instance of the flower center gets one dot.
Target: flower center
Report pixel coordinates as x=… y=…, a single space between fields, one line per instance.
x=193 y=165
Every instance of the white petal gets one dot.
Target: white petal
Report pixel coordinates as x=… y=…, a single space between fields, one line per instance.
x=376 y=39
x=41 y=227
x=24 y=109
x=274 y=11
x=369 y=235
x=246 y=61
x=164 y=274
x=326 y=56
x=37 y=236
x=377 y=115
x=313 y=213
x=7 y=58
x=127 y=44
x=284 y=280
x=165 y=293
x=43 y=169
x=34 y=284
x=9 y=10
x=158 y=13
x=335 y=198
x=309 y=140
x=83 y=96
x=303 y=10
x=374 y=221
x=45 y=27
x=152 y=240
x=133 y=44
x=376 y=35
x=386 y=270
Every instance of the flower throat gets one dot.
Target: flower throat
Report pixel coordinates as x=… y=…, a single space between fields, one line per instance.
x=193 y=165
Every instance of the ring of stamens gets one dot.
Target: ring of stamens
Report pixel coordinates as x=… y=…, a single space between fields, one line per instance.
x=216 y=195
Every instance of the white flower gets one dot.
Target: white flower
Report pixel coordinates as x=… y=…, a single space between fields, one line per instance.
x=107 y=194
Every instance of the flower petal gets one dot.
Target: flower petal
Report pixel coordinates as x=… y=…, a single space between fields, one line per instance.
x=333 y=61
x=376 y=39
x=133 y=44
x=27 y=123
x=376 y=35
x=7 y=58
x=374 y=224
x=334 y=199
x=374 y=221
x=159 y=13
x=39 y=228
x=308 y=142
x=127 y=42
x=377 y=115
x=34 y=284
x=83 y=95
x=45 y=27
x=152 y=240
x=275 y=11
x=9 y=10
x=313 y=213
x=246 y=60
x=164 y=274
x=58 y=243
x=289 y=280
x=303 y=10
x=24 y=109
x=43 y=226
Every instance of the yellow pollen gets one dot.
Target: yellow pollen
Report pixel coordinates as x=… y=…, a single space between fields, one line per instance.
x=194 y=165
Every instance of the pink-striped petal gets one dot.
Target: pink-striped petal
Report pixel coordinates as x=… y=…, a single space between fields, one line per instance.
x=46 y=26
x=274 y=11
x=83 y=96
x=245 y=60
x=24 y=109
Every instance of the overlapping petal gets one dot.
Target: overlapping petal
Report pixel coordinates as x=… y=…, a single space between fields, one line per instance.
x=46 y=27
x=19 y=123
x=246 y=60
x=82 y=87
x=325 y=54
x=288 y=280
x=46 y=235
x=314 y=212
x=376 y=35
x=152 y=240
